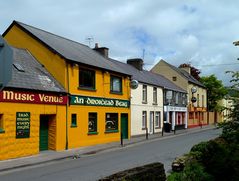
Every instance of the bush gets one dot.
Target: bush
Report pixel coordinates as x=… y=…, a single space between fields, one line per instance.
x=193 y=171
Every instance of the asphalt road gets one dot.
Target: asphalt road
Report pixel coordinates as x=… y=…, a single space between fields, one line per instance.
x=93 y=167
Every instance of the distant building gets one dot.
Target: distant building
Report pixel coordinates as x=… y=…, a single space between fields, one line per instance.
x=197 y=93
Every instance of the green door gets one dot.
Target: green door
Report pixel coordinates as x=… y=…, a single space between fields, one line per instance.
x=124 y=125
x=43 y=133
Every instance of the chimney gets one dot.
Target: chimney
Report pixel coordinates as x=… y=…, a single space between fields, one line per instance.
x=187 y=69
x=136 y=62
x=104 y=51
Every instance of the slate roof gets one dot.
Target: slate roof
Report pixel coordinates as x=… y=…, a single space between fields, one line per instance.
x=68 y=49
x=185 y=74
x=28 y=73
x=148 y=77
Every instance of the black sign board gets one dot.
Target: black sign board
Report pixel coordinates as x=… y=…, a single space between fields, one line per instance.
x=22 y=124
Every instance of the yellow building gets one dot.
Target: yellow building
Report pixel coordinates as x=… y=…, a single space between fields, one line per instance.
x=197 y=93
x=99 y=93
x=32 y=109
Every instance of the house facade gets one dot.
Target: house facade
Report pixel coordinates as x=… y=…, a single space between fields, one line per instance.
x=98 y=109
x=196 y=91
x=148 y=105
x=32 y=109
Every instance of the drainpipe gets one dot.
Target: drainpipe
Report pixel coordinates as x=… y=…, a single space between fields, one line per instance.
x=67 y=105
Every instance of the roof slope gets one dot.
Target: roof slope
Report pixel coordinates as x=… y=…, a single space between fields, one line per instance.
x=185 y=74
x=148 y=77
x=68 y=49
x=28 y=73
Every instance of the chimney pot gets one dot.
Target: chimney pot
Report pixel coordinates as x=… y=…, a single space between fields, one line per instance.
x=136 y=62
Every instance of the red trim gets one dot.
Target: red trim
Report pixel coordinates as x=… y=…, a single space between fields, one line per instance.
x=30 y=97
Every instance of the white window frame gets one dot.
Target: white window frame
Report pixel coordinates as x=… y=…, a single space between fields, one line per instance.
x=144 y=94
x=144 y=119
x=157 y=119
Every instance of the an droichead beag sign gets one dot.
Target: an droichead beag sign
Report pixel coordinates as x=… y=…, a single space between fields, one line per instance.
x=98 y=101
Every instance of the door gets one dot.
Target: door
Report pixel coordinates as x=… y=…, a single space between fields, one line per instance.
x=124 y=125
x=151 y=122
x=43 y=135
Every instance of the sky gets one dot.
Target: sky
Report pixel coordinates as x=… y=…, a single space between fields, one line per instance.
x=199 y=32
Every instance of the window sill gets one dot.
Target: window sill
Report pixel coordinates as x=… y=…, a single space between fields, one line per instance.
x=157 y=127
x=93 y=133
x=73 y=126
x=119 y=93
x=2 y=131
x=155 y=104
x=143 y=128
x=112 y=131
x=87 y=88
x=144 y=102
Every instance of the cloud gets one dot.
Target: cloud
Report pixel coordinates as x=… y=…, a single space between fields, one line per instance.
x=200 y=32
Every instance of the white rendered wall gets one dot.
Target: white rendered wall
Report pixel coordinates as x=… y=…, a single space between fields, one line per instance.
x=137 y=107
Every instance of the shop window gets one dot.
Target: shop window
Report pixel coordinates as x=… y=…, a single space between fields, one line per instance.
x=1 y=124
x=111 y=123
x=157 y=120
x=92 y=124
x=144 y=119
x=144 y=92
x=73 y=120
x=191 y=115
x=155 y=95
x=86 y=79
x=115 y=84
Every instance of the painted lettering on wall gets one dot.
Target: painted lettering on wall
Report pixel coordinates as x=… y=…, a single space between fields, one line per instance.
x=27 y=97
x=22 y=124
x=98 y=101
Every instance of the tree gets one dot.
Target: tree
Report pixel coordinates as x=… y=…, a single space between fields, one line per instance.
x=216 y=91
x=194 y=71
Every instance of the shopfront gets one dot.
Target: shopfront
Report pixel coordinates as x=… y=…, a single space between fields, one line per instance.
x=30 y=122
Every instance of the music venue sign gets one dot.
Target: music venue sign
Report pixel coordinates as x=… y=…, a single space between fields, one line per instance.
x=28 y=97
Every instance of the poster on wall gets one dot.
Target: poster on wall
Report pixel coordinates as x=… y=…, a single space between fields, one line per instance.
x=22 y=124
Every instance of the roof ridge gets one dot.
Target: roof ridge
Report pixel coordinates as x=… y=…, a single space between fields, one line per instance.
x=20 y=23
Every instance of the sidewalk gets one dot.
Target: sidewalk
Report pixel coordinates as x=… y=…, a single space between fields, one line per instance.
x=49 y=156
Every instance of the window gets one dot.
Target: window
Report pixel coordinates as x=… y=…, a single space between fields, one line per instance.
x=157 y=120
x=191 y=115
x=115 y=84
x=144 y=94
x=155 y=95
x=87 y=79
x=144 y=119
x=198 y=105
x=111 y=123
x=92 y=124
x=184 y=99
x=176 y=97
x=174 y=78
x=1 y=124
x=73 y=120
x=202 y=100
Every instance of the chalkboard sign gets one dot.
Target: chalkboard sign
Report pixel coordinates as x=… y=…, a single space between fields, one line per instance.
x=22 y=124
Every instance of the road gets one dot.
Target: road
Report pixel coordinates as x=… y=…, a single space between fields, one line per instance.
x=93 y=167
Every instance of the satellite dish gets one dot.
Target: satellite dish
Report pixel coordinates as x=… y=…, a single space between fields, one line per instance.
x=6 y=60
x=134 y=84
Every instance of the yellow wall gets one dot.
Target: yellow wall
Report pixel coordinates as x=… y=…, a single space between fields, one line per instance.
x=11 y=147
